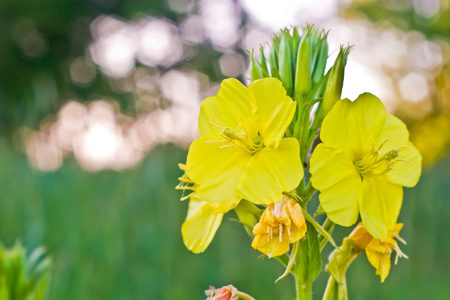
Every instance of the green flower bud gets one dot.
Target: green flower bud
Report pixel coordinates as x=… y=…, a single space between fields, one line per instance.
x=285 y=61
x=303 y=70
x=273 y=56
x=335 y=82
x=255 y=70
x=321 y=56
x=263 y=63
x=295 y=42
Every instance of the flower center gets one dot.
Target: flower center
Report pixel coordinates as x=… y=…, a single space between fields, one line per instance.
x=375 y=163
x=239 y=138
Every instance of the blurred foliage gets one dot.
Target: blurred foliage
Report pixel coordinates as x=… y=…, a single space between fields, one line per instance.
x=22 y=277
x=41 y=38
x=117 y=236
x=404 y=15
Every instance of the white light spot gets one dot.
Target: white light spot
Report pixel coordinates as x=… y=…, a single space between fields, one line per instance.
x=414 y=87
x=232 y=64
x=158 y=43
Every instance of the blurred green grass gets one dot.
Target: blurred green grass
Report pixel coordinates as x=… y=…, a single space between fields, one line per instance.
x=116 y=235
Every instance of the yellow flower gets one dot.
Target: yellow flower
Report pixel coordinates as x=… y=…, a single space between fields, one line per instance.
x=203 y=218
x=281 y=224
x=365 y=159
x=241 y=151
x=379 y=252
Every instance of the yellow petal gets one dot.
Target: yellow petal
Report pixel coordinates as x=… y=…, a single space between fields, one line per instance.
x=378 y=256
x=408 y=168
x=380 y=206
x=275 y=109
x=384 y=267
x=339 y=183
x=269 y=172
x=272 y=246
x=395 y=135
x=200 y=226
x=354 y=126
x=215 y=170
x=231 y=107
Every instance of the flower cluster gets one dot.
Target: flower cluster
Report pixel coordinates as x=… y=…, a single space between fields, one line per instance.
x=256 y=143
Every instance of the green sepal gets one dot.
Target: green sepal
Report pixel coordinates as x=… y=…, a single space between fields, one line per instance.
x=255 y=70
x=273 y=56
x=275 y=73
x=295 y=43
x=263 y=63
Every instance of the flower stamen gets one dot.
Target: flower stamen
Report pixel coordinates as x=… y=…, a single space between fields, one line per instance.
x=186 y=184
x=238 y=138
x=376 y=163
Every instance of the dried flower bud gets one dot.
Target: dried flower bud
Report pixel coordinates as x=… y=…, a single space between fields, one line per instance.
x=228 y=292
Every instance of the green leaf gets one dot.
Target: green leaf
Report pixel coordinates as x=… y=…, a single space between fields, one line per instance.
x=290 y=264
x=309 y=262
x=318 y=227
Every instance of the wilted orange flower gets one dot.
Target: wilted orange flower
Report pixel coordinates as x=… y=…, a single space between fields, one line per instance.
x=378 y=252
x=281 y=224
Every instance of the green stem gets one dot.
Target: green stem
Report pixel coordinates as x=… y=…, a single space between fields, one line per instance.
x=301 y=187
x=304 y=289
x=328 y=225
x=244 y=296
x=330 y=289
x=308 y=192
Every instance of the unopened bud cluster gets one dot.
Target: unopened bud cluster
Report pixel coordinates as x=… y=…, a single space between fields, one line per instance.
x=299 y=61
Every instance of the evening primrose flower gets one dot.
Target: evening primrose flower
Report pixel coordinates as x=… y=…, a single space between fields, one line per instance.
x=378 y=252
x=203 y=218
x=281 y=224
x=365 y=159
x=241 y=151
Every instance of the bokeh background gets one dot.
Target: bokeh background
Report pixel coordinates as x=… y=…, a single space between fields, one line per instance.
x=99 y=101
